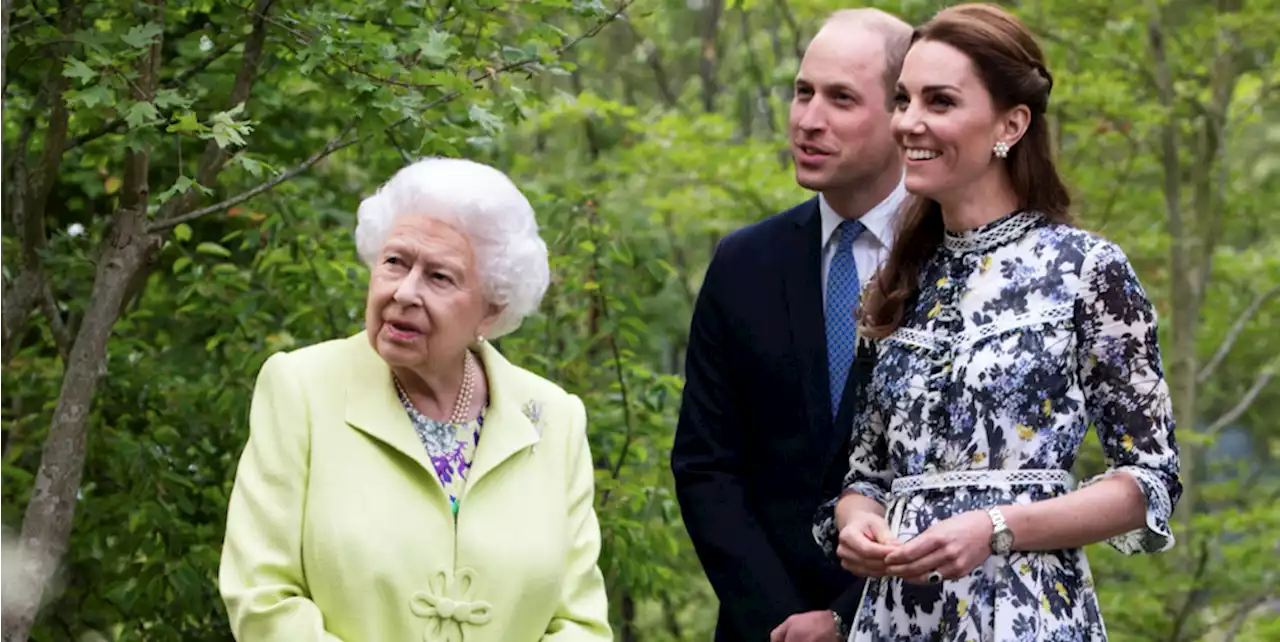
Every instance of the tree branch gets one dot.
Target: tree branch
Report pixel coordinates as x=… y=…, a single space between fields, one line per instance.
x=709 y=62
x=5 y=14
x=1259 y=383
x=1241 y=616
x=404 y=154
x=1188 y=606
x=168 y=220
x=214 y=157
x=30 y=198
x=763 y=92
x=50 y=513
x=334 y=144
x=1210 y=209
x=784 y=10
x=1234 y=334
x=612 y=340
x=306 y=39
x=61 y=336
x=113 y=126
x=654 y=59
x=448 y=6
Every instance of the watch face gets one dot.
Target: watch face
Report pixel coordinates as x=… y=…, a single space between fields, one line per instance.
x=1003 y=541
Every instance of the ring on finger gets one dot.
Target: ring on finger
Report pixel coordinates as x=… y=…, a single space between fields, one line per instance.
x=934 y=577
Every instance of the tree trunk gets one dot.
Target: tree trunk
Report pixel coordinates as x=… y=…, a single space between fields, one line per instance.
x=126 y=253
x=710 y=55
x=46 y=526
x=628 y=632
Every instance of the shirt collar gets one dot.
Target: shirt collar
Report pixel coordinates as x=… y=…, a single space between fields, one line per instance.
x=879 y=220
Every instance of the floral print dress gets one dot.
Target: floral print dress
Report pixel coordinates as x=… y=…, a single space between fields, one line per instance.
x=1024 y=333
x=451 y=448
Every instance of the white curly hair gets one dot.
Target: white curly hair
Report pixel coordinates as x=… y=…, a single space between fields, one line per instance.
x=487 y=208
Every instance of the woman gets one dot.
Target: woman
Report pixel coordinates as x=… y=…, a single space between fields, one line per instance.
x=408 y=483
x=998 y=333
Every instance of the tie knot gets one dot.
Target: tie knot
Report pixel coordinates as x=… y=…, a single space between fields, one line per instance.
x=849 y=230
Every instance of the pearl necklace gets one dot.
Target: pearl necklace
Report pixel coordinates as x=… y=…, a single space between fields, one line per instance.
x=461 y=405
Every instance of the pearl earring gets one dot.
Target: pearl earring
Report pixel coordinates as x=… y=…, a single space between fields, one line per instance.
x=1001 y=149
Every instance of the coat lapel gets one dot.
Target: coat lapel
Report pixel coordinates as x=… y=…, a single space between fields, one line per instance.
x=373 y=407
x=509 y=425
x=802 y=259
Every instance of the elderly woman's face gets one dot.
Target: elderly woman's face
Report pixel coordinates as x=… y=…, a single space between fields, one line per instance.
x=425 y=298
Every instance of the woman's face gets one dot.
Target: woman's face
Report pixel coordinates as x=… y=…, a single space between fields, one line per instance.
x=425 y=304
x=946 y=123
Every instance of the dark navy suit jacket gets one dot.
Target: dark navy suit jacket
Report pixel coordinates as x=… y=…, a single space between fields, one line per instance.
x=756 y=449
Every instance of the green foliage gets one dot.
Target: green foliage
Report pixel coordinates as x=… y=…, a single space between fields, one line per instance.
x=637 y=165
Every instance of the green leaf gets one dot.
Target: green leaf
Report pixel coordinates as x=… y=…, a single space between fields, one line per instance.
x=90 y=97
x=141 y=36
x=171 y=98
x=181 y=186
x=140 y=114
x=181 y=264
x=187 y=122
x=182 y=232
x=511 y=54
x=226 y=130
x=94 y=40
x=75 y=68
x=252 y=166
x=482 y=117
x=435 y=45
x=208 y=247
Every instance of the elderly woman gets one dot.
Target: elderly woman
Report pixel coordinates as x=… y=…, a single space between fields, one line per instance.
x=409 y=483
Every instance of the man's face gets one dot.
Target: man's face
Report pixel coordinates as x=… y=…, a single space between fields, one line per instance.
x=839 y=127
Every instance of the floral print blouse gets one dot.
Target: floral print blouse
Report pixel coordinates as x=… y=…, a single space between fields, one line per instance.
x=1024 y=334
x=451 y=448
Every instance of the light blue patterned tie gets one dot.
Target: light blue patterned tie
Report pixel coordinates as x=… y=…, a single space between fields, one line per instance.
x=843 y=288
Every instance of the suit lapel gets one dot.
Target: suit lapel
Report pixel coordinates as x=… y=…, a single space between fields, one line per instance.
x=802 y=283
x=855 y=388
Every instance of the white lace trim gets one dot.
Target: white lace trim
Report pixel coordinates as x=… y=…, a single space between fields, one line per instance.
x=934 y=342
x=982 y=479
x=914 y=337
x=1054 y=314
x=1135 y=541
x=982 y=239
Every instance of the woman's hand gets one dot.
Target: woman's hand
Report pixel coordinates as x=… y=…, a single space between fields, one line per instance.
x=952 y=548
x=865 y=540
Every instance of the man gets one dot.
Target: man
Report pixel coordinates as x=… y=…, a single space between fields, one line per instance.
x=765 y=422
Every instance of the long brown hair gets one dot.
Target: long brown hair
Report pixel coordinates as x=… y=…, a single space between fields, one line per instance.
x=1012 y=68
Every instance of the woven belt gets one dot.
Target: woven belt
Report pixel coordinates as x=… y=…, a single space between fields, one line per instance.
x=904 y=487
x=982 y=479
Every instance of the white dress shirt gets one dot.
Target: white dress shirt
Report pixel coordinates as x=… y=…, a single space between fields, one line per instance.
x=871 y=248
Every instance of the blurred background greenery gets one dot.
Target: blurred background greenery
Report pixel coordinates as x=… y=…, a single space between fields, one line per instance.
x=135 y=322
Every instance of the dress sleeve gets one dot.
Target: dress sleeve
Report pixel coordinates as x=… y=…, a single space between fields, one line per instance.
x=869 y=472
x=1126 y=395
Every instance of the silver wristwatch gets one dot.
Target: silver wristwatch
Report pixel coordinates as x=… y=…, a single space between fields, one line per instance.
x=842 y=630
x=1001 y=536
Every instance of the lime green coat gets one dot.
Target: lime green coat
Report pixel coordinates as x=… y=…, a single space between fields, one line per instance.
x=338 y=528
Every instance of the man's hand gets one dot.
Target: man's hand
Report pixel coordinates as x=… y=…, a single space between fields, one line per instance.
x=814 y=626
